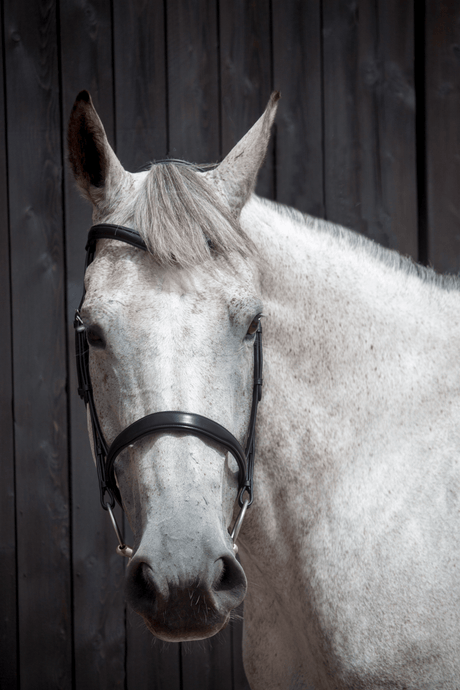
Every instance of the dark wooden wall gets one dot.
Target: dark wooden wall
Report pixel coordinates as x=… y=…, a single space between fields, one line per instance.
x=368 y=135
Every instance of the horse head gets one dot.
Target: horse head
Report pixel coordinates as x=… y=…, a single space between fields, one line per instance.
x=173 y=328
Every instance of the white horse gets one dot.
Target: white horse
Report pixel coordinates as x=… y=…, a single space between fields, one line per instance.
x=350 y=552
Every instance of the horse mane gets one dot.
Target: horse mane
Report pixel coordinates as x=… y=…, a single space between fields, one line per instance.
x=359 y=242
x=180 y=217
x=184 y=223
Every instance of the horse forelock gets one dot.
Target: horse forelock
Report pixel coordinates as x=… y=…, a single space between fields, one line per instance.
x=181 y=218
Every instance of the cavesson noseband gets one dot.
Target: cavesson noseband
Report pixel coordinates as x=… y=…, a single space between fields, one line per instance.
x=158 y=422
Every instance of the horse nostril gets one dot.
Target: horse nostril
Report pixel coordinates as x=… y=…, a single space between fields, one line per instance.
x=230 y=577
x=141 y=583
x=145 y=573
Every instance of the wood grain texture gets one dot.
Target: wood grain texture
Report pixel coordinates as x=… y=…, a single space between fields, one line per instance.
x=151 y=663
x=442 y=66
x=240 y=682
x=99 y=608
x=193 y=95
x=35 y=169
x=369 y=116
x=8 y=573
x=140 y=81
x=207 y=665
x=297 y=74
x=246 y=80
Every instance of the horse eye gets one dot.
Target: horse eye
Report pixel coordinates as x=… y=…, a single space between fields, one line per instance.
x=94 y=338
x=254 y=325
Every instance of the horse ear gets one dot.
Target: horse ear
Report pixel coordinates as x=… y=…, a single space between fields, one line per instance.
x=236 y=176
x=95 y=166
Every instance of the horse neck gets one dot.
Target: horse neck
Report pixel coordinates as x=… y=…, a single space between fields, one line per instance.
x=341 y=308
x=355 y=348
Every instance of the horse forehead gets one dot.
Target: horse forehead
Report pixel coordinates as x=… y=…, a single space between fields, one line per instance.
x=131 y=278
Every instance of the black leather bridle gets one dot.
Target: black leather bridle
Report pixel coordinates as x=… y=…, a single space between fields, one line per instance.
x=157 y=422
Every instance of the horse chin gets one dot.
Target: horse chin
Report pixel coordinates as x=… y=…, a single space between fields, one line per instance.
x=184 y=633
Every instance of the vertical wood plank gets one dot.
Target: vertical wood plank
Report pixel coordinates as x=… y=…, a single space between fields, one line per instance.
x=298 y=75
x=207 y=664
x=246 y=79
x=341 y=136
x=369 y=116
x=443 y=133
x=8 y=574
x=151 y=663
x=140 y=82
x=98 y=572
x=141 y=135
x=240 y=682
x=193 y=80
x=39 y=344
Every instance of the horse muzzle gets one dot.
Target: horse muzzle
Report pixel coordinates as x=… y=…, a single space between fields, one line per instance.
x=179 y=606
